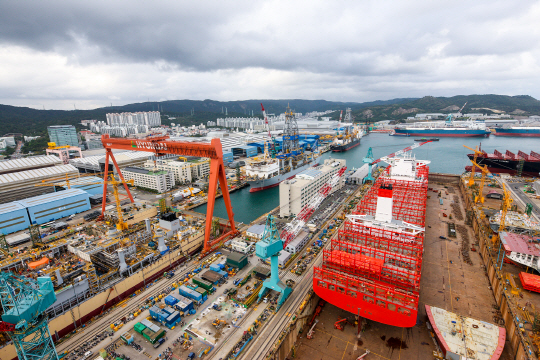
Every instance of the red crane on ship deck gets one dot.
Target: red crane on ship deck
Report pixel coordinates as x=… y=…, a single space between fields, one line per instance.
x=162 y=145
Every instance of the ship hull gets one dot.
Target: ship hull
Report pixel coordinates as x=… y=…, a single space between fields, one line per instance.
x=443 y=132
x=263 y=184
x=345 y=147
x=518 y=132
x=530 y=168
x=365 y=306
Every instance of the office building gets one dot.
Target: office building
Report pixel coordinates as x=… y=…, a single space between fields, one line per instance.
x=63 y=135
x=159 y=180
x=182 y=170
x=294 y=194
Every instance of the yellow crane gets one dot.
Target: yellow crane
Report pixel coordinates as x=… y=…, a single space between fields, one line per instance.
x=506 y=205
x=485 y=171
x=120 y=225
x=476 y=153
x=65 y=180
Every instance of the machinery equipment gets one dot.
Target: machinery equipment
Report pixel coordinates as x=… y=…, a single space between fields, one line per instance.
x=162 y=145
x=506 y=205
x=24 y=301
x=340 y=324
x=369 y=158
x=476 y=153
x=270 y=137
x=120 y=224
x=485 y=171
x=271 y=243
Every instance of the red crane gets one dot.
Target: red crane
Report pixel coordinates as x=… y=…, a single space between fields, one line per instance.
x=162 y=145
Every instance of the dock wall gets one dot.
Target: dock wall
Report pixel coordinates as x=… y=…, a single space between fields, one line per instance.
x=519 y=344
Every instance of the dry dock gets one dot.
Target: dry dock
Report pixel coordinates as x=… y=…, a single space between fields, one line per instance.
x=453 y=278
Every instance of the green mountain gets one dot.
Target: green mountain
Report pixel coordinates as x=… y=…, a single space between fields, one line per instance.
x=32 y=121
x=487 y=104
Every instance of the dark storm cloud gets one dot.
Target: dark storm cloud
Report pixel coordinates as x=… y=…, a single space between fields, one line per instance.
x=342 y=50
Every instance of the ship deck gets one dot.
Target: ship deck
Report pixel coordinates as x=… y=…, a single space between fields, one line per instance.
x=448 y=281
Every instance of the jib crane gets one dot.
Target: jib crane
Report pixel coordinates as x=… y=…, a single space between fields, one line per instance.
x=120 y=224
x=369 y=158
x=506 y=205
x=161 y=145
x=485 y=171
x=272 y=243
x=476 y=153
x=24 y=301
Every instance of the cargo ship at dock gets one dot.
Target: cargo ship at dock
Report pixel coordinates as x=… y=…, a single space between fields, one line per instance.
x=270 y=169
x=509 y=163
x=372 y=269
x=347 y=137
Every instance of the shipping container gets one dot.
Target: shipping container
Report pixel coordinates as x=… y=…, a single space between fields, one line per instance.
x=223 y=273
x=170 y=300
x=50 y=207
x=202 y=283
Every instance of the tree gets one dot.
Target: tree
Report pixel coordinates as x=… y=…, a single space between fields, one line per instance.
x=238 y=173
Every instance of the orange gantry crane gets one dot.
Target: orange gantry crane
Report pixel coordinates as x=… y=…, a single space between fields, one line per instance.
x=162 y=145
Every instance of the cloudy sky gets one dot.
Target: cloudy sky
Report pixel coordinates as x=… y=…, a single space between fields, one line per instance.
x=55 y=54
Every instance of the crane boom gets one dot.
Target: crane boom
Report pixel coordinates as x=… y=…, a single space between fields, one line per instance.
x=293 y=228
x=413 y=146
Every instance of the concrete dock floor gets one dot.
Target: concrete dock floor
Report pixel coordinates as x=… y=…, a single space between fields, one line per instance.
x=448 y=281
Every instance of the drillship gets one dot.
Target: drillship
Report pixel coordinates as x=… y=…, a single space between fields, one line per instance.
x=268 y=171
x=373 y=268
x=450 y=128
x=349 y=138
x=509 y=163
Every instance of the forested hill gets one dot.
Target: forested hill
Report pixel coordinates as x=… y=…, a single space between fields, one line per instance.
x=521 y=105
x=32 y=121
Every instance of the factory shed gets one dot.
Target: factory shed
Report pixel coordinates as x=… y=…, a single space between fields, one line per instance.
x=244 y=151
x=237 y=260
x=358 y=176
x=298 y=242
x=29 y=163
x=21 y=185
x=493 y=194
x=211 y=276
x=17 y=239
x=262 y=272
x=284 y=257
x=227 y=157
x=50 y=207
x=91 y=184
x=13 y=217
x=255 y=231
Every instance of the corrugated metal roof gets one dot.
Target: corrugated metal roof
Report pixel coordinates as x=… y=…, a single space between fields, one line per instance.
x=29 y=162
x=84 y=181
x=37 y=173
x=309 y=174
x=120 y=157
x=9 y=207
x=47 y=198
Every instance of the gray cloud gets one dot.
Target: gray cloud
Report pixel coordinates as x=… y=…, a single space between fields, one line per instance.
x=344 y=50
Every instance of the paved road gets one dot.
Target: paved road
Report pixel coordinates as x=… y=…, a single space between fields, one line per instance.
x=521 y=197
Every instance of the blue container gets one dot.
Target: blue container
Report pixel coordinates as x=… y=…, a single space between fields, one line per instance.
x=223 y=273
x=215 y=267
x=192 y=294
x=13 y=218
x=171 y=300
x=54 y=206
x=227 y=157
x=154 y=312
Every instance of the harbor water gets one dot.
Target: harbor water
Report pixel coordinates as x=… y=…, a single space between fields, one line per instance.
x=446 y=155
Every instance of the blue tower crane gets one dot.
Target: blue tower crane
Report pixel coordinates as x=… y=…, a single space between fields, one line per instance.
x=24 y=301
x=269 y=247
x=369 y=160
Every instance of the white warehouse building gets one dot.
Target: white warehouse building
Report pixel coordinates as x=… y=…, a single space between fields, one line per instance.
x=294 y=194
x=182 y=170
x=160 y=180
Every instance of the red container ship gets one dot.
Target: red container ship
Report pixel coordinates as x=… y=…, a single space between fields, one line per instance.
x=509 y=163
x=373 y=267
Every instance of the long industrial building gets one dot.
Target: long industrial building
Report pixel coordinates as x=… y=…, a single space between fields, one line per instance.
x=20 y=185
x=96 y=163
x=29 y=163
